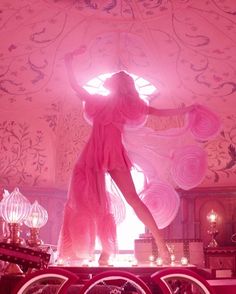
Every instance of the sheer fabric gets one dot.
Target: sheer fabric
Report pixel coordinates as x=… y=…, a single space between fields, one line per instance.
x=89 y=211
x=120 y=141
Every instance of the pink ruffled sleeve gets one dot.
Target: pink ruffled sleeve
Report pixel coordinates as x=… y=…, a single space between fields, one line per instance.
x=204 y=124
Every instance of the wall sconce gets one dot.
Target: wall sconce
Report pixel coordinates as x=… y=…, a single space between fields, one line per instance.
x=213 y=232
x=36 y=219
x=14 y=210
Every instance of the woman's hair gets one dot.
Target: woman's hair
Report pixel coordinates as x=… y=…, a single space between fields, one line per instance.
x=121 y=83
x=126 y=98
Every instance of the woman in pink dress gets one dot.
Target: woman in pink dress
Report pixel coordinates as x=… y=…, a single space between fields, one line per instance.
x=87 y=213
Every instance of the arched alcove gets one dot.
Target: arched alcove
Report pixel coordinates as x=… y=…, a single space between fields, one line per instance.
x=218 y=207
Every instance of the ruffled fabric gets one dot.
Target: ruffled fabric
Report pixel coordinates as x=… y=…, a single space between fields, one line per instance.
x=189 y=166
x=204 y=124
x=88 y=213
x=162 y=201
x=172 y=157
x=151 y=153
x=168 y=159
x=91 y=210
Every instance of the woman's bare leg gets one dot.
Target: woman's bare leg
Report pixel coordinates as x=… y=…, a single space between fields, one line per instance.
x=125 y=183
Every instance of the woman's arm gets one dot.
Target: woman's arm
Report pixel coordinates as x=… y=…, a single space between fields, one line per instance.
x=82 y=93
x=170 y=112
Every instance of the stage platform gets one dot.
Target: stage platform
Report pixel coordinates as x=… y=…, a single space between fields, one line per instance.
x=145 y=279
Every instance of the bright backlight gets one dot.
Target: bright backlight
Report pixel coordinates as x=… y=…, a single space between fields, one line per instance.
x=95 y=85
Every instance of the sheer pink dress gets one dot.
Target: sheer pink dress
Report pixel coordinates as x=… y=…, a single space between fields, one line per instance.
x=168 y=159
x=87 y=212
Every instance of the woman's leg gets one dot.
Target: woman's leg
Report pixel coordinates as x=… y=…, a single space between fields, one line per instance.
x=125 y=183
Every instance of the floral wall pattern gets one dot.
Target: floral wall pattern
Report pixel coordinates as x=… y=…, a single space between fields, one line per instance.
x=186 y=48
x=17 y=146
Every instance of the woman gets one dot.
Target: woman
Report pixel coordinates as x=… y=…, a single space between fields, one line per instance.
x=87 y=213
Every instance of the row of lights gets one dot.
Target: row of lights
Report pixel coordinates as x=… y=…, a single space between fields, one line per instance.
x=16 y=209
x=159 y=261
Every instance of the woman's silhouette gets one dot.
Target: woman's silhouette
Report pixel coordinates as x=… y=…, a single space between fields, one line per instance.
x=87 y=212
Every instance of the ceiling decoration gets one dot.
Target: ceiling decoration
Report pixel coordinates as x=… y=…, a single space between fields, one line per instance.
x=185 y=48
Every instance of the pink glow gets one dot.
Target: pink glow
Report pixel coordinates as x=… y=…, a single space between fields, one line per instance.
x=212 y=216
x=186 y=49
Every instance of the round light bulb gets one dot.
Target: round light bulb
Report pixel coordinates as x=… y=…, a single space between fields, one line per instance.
x=159 y=261
x=184 y=261
x=151 y=258
x=212 y=216
x=14 y=207
x=37 y=217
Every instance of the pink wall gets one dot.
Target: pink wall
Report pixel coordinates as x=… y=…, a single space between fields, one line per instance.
x=185 y=48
